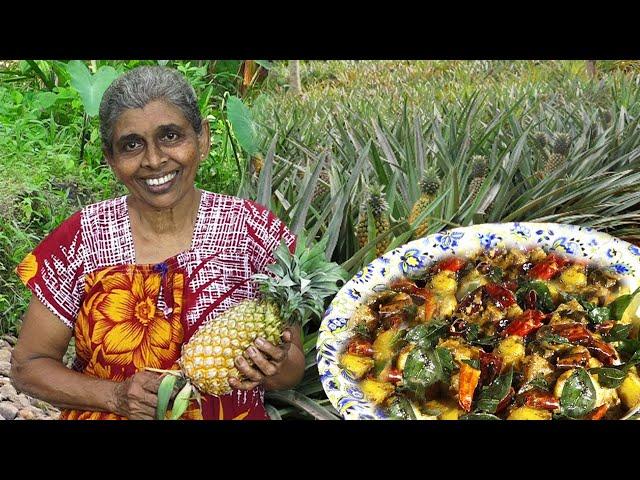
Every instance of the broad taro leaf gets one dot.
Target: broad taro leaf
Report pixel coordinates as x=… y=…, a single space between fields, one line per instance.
x=90 y=87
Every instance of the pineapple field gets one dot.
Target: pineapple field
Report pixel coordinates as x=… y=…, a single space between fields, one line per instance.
x=367 y=156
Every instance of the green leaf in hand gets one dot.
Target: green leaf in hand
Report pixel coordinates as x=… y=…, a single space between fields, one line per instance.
x=181 y=402
x=164 y=394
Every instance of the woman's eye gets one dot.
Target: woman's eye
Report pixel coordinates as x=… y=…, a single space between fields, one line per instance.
x=130 y=146
x=171 y=136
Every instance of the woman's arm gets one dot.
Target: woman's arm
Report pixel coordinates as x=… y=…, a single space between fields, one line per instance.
x=37 y=369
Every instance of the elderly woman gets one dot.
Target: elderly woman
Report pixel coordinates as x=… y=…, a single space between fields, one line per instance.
x=132 y=278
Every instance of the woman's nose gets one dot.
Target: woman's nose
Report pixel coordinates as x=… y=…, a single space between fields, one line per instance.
x=154 y=156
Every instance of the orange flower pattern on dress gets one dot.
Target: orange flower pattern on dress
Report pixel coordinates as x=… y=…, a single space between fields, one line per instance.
x=28 y=268
x=120 y=331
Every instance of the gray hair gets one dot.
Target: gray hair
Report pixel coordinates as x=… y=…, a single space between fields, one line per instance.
x=140 y=86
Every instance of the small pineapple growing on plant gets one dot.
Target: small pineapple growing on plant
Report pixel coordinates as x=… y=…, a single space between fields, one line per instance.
x=322 y=187
x=562 y=144
x=479 y=169
x=429 y=185
x=297 y=287
x=377 y=205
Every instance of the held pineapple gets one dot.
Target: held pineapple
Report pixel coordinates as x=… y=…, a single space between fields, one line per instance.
x=376 y=205
x=429 y=186
x=298 y=286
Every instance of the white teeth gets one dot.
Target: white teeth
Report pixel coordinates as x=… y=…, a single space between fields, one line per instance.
x=161 y=180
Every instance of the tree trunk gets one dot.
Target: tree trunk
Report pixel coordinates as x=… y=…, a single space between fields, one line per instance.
x=294 y=77
x=591 y=69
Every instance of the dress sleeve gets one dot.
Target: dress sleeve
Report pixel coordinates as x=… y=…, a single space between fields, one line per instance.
x=54 y=271
x=265 y=231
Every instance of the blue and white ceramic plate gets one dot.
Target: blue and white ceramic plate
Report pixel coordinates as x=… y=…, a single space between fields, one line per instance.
x=415 y=257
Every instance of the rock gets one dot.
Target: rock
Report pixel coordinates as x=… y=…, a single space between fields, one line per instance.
x=26 y=414
x=7 y=391
x=4 y=344
x=8 y=410
x=23 y=401
x=10 y=339
x=5 y=368
x=5 y=355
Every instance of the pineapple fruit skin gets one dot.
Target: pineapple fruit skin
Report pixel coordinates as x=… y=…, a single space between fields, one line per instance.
x=421 y=205
x=208 y=357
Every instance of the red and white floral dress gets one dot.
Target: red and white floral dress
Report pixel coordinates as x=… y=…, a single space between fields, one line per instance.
x=126 y=316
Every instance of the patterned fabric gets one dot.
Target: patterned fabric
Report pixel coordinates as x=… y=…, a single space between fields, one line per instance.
x=127 y=316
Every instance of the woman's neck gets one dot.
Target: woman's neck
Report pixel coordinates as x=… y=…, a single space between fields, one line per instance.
x=169 y=221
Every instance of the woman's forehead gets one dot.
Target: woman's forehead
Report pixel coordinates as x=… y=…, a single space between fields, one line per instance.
x=153 y=115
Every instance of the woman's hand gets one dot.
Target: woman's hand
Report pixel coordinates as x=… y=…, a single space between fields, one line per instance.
x=269 y=362
x=137 y=397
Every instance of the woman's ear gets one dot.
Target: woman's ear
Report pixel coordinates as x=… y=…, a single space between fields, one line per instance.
x=204 y=139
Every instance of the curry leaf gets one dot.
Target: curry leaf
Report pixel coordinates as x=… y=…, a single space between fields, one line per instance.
x=609 y=377
x=617 y=333
x=620 y=304
x=578 y=395
x=491 y=395
x=544 y=302
x=422 y=369
x=426 y=336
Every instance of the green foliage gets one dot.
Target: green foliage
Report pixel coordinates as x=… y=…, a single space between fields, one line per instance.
x=90 y=87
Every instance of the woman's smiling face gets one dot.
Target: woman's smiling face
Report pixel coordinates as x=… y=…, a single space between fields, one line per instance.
x=156 y=153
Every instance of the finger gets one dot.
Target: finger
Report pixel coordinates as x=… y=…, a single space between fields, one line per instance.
x=150 y=381
x=261 y=362
x=245 y=369
x=269 y=348
x=143 y=412
x=242 y=385
x=287 y=335
x=149 y=399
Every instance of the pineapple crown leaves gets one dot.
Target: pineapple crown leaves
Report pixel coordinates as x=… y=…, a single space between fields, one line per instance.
x=540 y=139
x=479 y=166
x=430 y=183
x=300 y=282
x=562 y=143
x=375 y=201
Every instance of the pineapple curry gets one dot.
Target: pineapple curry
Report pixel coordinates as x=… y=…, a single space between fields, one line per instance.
x=507 y=334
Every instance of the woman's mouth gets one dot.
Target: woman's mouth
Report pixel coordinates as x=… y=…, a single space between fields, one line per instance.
x=160 y=184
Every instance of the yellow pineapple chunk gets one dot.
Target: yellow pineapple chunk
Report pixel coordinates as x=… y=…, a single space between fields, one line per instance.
x=574 y=278
x=376 y=391
x=512 y=351
x=460 y=349
x=528 y=413
x=383 y=345
x=357 y=365
x=629 y=391
x=448 y=408
x=444 y=283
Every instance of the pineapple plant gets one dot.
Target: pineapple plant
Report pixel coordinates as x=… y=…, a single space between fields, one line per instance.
x=375 y=205
x=479 y=169
x=429 y=186
x=296 y=287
